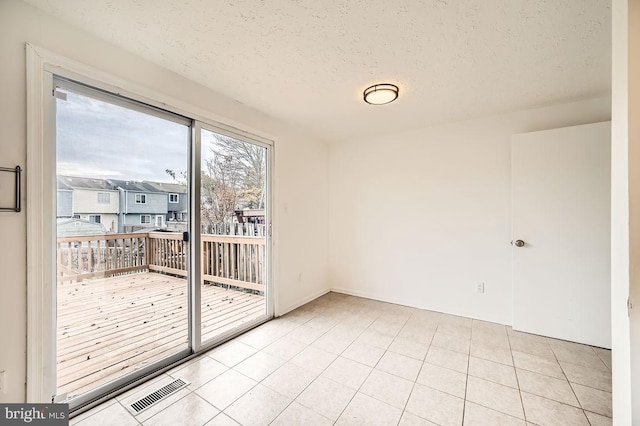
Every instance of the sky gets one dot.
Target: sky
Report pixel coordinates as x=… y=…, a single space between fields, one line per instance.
x=101 y=140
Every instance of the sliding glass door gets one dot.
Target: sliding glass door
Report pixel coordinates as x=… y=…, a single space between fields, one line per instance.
x=122 y=257
x=162 y=239
x=233 y=239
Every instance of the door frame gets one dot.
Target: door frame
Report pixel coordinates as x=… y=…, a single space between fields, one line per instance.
x=194 y=191
x=42 y=64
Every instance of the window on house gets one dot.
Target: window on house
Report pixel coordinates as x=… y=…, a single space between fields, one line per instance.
x=95 y=218
x=76 y=216
x=104 y=198
x=145 y=218
x=141 y=198
x=173 y=198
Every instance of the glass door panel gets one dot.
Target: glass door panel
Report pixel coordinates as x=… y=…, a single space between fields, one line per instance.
x=233 y=225
x=122 y=262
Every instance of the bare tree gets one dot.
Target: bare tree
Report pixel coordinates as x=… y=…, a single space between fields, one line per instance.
x=232 y=178
x=219 y=186
x=249 y=160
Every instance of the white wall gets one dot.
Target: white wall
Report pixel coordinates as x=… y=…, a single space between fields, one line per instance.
x=301 y=182
x=419 y=218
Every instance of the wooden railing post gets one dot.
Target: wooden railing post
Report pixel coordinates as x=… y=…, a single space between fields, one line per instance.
x=147 y=249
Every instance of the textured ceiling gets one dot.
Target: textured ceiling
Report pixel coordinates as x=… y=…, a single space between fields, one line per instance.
x=308 y=61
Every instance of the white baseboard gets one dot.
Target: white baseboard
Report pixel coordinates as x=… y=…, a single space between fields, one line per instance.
x=410 y=304
x=301 y=302
x=366 y=295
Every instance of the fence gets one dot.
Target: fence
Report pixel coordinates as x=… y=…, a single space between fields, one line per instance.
x=237 y=261
x=239 y=229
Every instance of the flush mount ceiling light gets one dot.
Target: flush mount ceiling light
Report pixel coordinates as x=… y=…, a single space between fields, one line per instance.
x=380 y=94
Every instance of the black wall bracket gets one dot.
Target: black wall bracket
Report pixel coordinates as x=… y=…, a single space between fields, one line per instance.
x=17 y=170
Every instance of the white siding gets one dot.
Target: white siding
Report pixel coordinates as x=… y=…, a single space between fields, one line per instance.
x=86 y=201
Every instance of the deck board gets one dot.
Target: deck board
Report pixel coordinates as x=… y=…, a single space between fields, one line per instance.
x=108 y=327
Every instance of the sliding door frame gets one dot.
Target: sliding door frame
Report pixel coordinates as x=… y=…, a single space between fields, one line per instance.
x=77 y=87
x=42 y=65
x=198 y=126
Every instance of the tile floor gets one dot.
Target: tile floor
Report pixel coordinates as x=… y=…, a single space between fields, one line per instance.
x=345 y=360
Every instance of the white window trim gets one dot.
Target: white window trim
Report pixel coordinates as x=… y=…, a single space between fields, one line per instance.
x=94 y=215
x=143 y=198
x=177 y=198
x=143 y=222
x=41 y=228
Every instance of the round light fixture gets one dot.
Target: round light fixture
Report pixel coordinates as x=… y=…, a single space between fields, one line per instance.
x=380 y=94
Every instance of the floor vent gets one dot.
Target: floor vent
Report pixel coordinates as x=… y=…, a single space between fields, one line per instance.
x=157 y=396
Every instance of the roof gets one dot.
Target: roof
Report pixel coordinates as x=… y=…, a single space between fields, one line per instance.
x=69 y=183
x=133 y=185
x=75 y=182
x=70 y=227
x=63 y=186
x=169 y=187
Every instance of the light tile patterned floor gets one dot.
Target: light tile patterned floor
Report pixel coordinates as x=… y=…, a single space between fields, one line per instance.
x=345 y=360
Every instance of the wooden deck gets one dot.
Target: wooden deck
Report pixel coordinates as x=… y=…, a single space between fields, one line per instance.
x=112 y=326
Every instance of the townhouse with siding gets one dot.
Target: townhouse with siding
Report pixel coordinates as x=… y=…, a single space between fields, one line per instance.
x=64 y=199
x=88 y=199
x=141 y=205
x=177 y=200
x=120 y=205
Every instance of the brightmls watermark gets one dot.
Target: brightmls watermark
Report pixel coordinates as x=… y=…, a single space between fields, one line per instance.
x=34 y=414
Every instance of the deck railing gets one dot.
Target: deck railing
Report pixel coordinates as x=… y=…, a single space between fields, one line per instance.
x=91 y=256
x=237 y=261
x=167 y=253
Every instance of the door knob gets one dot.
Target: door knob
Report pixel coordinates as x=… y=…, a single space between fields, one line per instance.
x=518 y=243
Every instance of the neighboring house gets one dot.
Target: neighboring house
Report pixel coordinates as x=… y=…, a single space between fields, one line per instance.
x=74 y=227
x=177 y=200
x=121 y=205
x=64 y=200
x=141 y=204
x=93 y=200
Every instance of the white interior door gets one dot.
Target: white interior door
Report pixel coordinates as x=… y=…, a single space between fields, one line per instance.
x=561 y=212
